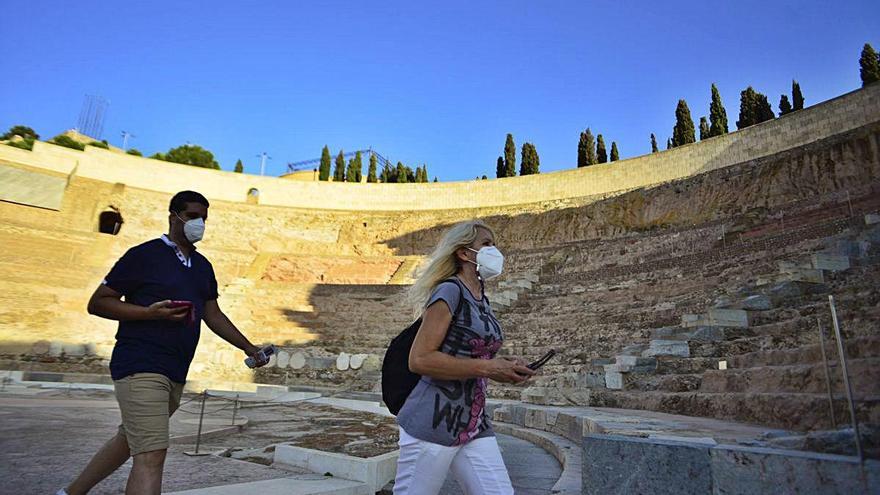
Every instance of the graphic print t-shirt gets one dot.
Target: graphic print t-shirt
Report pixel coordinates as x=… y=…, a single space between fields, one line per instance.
x=452 y=412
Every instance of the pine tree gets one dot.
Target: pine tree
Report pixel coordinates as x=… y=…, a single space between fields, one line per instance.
x=797 y=98
x=601 y=155
x=371 y=172
x=239 y=168
x=324 y=170
x=784 y=105
x=500 y=170
x=704 y=128
x=869 y=65
x=510 y=157
x=401 y=173
x=339 y=169
x=653 y=144
x=683 y=132
x=669 y=143
x=614 y=154
x=717 y=115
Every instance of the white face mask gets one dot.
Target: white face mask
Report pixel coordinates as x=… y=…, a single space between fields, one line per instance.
x=490 y=262
x=193 y=229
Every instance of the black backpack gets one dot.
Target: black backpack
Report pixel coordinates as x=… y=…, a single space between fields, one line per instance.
x=397 y=380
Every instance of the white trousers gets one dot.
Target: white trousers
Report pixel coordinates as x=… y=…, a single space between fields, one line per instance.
x=477 y=466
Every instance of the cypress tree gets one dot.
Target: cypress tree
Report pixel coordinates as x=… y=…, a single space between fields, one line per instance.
x=784 y=105
x=349 y=171
x=683 y=133
x=401 y=174
x=358 y=167
x=748 y=114
x=601 y=155
x=764 y=111
x=530 y=162
x=425 y=172
x=717 y=115
x=582 y=151
x=796 y=97
x=500 y=170
x=510 y=157
x=435 y=179
x=704 y=128
x=339 y=169
x=324 y=169
x=389 y=174
x=239 y=168
x=653 y=144
x=869 y=65
x=614 y=155
x=669 y=143
x=371 y=172
x=589 y=147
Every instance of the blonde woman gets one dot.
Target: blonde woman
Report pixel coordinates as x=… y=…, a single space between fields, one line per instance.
x=443 y=423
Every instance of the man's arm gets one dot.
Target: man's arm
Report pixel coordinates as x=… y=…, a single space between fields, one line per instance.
x=105 y=302
x=220 y=324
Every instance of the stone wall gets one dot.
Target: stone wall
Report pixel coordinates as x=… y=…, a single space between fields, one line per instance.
x=800 y=128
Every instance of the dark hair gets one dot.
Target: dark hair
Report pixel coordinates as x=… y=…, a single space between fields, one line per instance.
x=179 y=201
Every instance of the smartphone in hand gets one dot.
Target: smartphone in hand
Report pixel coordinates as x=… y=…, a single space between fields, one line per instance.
x=541 y=362
x=191 y=314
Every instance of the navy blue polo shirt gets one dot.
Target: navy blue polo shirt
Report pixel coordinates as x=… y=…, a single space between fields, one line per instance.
x=146 y=274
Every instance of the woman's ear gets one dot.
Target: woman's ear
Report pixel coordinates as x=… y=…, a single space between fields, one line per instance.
x=461 y=254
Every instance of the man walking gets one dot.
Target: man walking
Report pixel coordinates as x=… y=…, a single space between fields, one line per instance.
x=169 y=288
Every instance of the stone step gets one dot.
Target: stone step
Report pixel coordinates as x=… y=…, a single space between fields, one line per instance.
x=717 y=317
x=782 y=410
x=660 y=347
x=863 y=347
x=798 y=378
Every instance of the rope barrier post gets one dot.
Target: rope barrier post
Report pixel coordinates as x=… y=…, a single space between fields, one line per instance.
x=827 y=373
x=201 y=418
x=234 y=409
x=849 y=394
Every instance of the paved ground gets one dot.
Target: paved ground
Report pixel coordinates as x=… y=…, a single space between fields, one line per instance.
x=46 y=439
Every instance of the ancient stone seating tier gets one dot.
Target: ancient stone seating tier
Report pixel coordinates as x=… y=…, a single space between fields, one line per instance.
x=735 y=339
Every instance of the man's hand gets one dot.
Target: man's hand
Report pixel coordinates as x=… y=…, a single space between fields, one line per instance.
x=163 y=310
x=254 y=352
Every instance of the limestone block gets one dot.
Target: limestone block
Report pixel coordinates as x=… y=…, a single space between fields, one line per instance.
x=343 y=361
x=41 y=347
x=91 y=349
x=375 y=472
x=614 y=380
x=872 y=218
x=297 y=360
x=620 y=465
x=636 y=363
x=736 y=318
x=320 y=363
x=372 y=363
x=738 y=469
x=72 y=349
x=357 y=360
x=55 y=348
x=273 y=361
x=758 y=302
x=283 y=359
x=658 y=347
x=831 y=263
x=804 y=275
x=689 y=320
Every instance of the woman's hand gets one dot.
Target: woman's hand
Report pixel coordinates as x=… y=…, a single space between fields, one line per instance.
x=507 y=370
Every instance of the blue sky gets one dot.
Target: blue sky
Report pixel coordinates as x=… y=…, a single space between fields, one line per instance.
x=438 y=83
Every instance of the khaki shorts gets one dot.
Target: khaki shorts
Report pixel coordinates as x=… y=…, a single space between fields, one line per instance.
x=146 y=401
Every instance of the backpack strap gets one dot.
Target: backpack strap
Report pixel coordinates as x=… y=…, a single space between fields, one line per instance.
x=460 y=295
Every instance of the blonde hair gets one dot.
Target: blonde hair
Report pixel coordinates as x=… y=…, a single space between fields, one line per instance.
x=442 y=263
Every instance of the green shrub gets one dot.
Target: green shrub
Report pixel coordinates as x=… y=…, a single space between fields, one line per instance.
x=67 y=142
x=100 y=144
x=25 y=144
x=134 y=152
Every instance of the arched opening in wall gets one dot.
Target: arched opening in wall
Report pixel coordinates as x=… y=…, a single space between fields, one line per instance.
x=109 y=222
x=253 y=196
